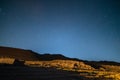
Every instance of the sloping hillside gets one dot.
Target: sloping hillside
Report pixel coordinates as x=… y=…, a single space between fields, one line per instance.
x=21 y=54
x=8 y=52
x=33 y=62
x=57 y=59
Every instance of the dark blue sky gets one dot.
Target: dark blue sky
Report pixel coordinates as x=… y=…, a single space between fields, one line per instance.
x=84 y=29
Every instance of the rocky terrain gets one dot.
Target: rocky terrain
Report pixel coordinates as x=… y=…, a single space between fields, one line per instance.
x=29 y=65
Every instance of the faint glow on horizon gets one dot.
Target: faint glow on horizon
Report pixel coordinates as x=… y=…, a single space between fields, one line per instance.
x=82 y=29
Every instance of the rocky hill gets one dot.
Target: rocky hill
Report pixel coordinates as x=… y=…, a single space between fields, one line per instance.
x=28 y=55
x=21 y=54
x=8 y=55
x=15 y=58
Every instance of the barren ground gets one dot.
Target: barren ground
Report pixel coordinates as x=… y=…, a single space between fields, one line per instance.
x=36 y=73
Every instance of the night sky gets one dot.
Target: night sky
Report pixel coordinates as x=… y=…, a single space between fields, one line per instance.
x=84 y=29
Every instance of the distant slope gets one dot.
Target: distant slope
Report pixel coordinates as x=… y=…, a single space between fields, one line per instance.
x=17 y=53
x=48 y=57
x=29 y=55
x=22 y=54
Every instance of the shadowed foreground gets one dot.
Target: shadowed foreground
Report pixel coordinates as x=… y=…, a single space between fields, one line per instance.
x=36 y=73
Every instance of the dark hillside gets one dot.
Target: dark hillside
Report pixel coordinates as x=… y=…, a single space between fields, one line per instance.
x=16 y=53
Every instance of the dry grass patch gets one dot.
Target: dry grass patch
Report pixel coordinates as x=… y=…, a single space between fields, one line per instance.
x=63 y=64
x=107 y=75
x=7 y=60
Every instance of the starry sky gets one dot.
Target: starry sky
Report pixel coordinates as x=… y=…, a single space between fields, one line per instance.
x=84 y=29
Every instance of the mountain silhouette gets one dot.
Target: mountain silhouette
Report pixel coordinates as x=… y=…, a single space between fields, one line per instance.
x=33 y=66
x=29 y=55
x=21 y=54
